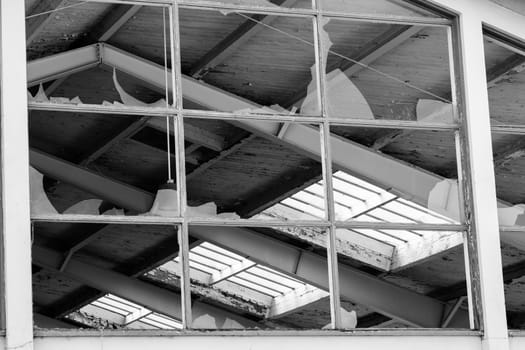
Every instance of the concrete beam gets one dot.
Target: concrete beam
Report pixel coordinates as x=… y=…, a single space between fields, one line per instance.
x=56 y=66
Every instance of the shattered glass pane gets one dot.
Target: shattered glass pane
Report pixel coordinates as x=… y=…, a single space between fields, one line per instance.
x=250 y=64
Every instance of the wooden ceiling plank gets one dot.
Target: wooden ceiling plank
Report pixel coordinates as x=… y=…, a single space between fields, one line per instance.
x=129 y=131
x=35 y=25
x=113 y=21
x=381 y=45
x=234 y=40
x=509 y=152
x=505 y=70
x=193 y=134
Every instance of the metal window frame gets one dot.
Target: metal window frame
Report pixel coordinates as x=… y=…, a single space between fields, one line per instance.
x=462 y=132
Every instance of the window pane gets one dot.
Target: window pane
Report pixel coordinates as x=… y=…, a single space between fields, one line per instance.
x=86 y=276
x=264 y=61
x=99 y=164
x=247 y=171
x=274 y=285
x=413 y=180
x=506 y=84
x=100 y=53
x=423 y=273
x=387 y=72
x=307 y=4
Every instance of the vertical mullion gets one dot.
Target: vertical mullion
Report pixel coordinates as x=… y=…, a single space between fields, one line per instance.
x=462 y=169
x=333 y=273
x=16 y=225
x=178 y=127
x=481 y=216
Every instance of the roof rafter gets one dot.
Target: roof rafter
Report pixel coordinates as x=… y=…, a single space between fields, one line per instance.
x=113 y=21
x=402 y=178
x=375 y=49
x=247 y=30
x=515 y=63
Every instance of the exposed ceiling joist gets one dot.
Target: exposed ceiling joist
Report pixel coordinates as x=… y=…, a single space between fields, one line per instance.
x=105 y=146
x=113 y=21
x=193 y=134
x=35 y=25
x=224 y=49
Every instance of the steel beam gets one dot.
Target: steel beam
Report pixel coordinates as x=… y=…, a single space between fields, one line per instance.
x=152 y=297
x=110 y=24
x=386 y=298
x=360 y=287
x=404 y=178
x=56 y=66
x=115 y=192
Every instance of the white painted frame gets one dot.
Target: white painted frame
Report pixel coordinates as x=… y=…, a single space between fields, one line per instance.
x=472 y=15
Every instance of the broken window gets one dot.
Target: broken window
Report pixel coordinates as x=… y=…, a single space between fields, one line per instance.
x=266 y=61
x=255 y=172
x=244 y=165
x=506 y=82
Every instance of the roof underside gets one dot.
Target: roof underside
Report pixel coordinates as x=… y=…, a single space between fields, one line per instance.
x=252 y=175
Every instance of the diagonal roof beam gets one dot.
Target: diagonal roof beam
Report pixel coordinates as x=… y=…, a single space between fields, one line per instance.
x=35 y=25
x=399 y=177
x=386 y=298
x=224 y=49
x=406 y=179
x=141 y=201
x=113 y=21
x=154 y=298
